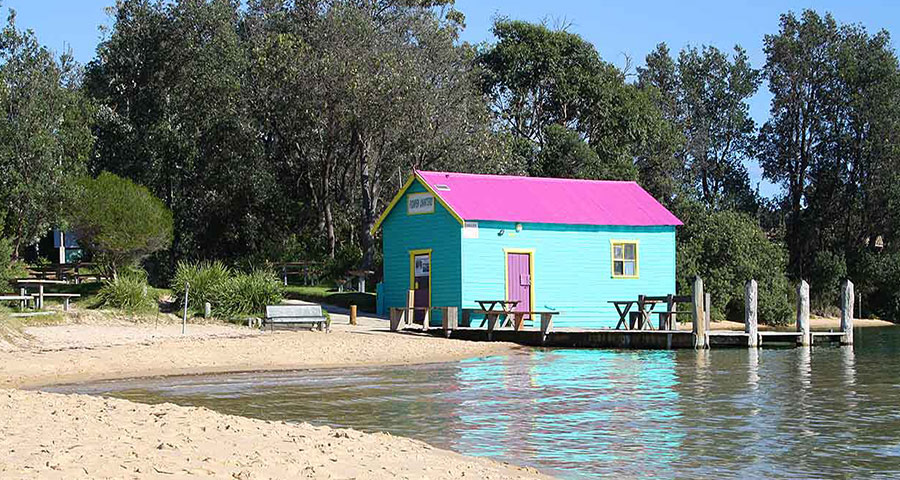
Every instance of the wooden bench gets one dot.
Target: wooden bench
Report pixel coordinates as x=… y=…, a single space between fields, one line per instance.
x=304 y=315
x=22 y=299
x=65 y=296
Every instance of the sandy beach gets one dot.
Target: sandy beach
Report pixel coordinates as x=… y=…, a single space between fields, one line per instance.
x=46 y=435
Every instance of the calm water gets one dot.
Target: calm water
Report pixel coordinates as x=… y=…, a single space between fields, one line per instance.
x=776 y=413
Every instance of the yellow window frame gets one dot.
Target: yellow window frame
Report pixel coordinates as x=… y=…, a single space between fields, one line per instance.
x=612 y=256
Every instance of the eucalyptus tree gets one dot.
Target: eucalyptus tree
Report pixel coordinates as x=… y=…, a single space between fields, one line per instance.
x=45 y=134
x=705 y=95
x=832 y=139
x=549 y=90
x=170 y=77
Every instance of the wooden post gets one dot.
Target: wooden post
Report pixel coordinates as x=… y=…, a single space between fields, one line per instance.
x=803 y=313
x=187 y=288
x=751 y=322
x=847 y=312
x=449 y=320
x=396 y=317
x=707 y=308
x=670 y=318
x=410 y=304
x=352 y=314
x=701 y=339
x=491 y=322
x=546 y=325
x=641 y=319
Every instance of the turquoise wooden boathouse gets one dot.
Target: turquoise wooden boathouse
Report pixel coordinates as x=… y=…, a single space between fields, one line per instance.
x=553 y=244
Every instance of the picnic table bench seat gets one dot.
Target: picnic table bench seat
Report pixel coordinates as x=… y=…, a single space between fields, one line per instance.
x=302 y=315
x=67 y=297
x=23 y=299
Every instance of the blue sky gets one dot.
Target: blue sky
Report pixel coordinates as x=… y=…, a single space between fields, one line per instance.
x=619 y=30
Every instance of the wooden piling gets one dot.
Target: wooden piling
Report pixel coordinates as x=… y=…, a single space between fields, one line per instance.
x=449 y=319
x=707 y=308
x=352 y=314
x=803 y=313
x=396 y=318
x=847 y=312
x=701 y=337
x=546 y=325
x=750 y=313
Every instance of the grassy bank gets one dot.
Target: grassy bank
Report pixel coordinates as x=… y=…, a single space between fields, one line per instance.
x=364 y=301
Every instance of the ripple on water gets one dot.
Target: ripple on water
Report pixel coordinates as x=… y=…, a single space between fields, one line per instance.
x=781 y=413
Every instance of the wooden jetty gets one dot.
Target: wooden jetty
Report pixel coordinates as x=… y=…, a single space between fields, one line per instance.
x=699 y=336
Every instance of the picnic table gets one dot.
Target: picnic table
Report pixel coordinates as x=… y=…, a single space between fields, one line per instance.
x=39 y=283
x=494 y=309
x=641 y=315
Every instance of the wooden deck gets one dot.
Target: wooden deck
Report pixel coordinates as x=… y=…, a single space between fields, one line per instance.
x=630 y=339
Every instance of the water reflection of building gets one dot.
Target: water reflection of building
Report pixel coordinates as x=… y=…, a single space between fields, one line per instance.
x=572 y=409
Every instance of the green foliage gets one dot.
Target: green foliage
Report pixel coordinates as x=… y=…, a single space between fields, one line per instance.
x=129 y=292
x=230 y=293
x=119 y=221
x=9 y=269
x=551 y=88
x=828 y=271
x=880 y=284
x=206 y=279
x=248 y=294
x=727 y=249
x=704 y=95
x=45 y=135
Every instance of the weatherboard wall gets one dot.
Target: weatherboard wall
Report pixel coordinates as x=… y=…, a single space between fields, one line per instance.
x=402 y=233
x=572 y=267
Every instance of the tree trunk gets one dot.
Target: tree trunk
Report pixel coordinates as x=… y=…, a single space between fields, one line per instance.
x=369 y=189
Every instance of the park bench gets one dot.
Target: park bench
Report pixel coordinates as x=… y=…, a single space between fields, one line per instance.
x=303 y=315
x=65 y=296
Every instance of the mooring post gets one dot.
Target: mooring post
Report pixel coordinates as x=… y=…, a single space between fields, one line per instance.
x=847 y=312
x=750 y=315
x=410 y=305
x=803 y=313
x=449 y=320
x=707 y=308
x=701 y=339
x=396 y=317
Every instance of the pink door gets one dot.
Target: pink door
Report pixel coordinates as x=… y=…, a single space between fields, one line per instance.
x=518 y=280
x=421 y=284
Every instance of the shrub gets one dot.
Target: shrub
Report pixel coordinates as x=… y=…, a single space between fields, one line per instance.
x=120 y=221
x=726 y=249
x=9 y=270
x=248 y=294
x=207 y=281
x=828 y=270
x=230 y=293
x=129 y=292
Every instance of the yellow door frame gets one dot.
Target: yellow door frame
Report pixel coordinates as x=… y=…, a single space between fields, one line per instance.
x=412 y=269
x=530 y=252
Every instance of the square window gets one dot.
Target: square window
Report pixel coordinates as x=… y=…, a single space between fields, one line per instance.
x=625 y=259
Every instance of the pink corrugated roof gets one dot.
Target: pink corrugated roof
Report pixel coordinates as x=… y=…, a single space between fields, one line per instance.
x=547 y=200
